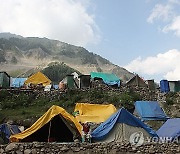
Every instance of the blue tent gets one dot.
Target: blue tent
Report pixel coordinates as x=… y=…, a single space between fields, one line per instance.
x=171 y=128
x=122 y=117
x=6 y=130
x=150 y=110
x=164 y=86
x=18 y=82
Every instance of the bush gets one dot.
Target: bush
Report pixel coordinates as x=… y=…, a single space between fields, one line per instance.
x=169 y=101
x=3 y=94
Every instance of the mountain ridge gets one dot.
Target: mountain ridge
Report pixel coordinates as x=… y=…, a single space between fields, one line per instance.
x=24 y=53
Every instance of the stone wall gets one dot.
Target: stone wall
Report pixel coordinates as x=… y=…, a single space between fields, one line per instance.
x=144 y=92
x=104 y=148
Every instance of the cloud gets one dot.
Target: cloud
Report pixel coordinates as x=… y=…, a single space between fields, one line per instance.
x=65 y=20
x=174 y=2
x=174 y=26
x=163 y=12
x=164 y=64
x=169 y=14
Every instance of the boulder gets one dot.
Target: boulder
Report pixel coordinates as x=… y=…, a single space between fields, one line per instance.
x=11 y=146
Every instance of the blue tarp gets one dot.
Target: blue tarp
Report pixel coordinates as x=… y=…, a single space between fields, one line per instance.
x=150 y=110
x=108 y=78
x=171 y=128
x=18 y=82
x=164 y=86
x=8 y=130
x=121 y=116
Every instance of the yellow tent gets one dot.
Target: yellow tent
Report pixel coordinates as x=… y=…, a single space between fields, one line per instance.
x=38 y=78
x=96 y=113
x=55 y=125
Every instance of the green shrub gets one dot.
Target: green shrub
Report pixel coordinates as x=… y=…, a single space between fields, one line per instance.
x=169 y=101
x=3 y=94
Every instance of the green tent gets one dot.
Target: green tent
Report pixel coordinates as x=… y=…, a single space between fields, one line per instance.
x=4 y=80
x=108 y=78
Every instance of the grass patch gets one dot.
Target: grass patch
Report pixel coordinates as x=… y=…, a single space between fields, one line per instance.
x=29 y=106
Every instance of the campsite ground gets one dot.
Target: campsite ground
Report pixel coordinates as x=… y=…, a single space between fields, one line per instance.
x=25 y=108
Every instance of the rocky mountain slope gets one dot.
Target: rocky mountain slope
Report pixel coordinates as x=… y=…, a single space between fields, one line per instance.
x=19 y=55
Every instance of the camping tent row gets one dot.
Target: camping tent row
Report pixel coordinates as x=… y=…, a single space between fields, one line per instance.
x=72 y=81
x=58 y=125
x=84 y=81
x=38 y=78
x=166 y=86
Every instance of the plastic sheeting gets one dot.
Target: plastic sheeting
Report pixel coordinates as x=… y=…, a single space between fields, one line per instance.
x=109 y=79
x=150 y=110
x=122 y=116
x=48 y=116
x=38 y=78
x=96 y=113
x=171 y=128
x=164 y=86
x=8 y=130
x=18 y=82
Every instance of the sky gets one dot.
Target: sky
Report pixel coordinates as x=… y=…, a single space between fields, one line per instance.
x=142 y=36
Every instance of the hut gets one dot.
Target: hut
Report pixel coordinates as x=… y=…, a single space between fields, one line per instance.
x=136 y=81
x=4 y=80
x=84 y=81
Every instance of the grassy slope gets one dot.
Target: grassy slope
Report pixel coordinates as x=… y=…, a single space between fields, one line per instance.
x=31 y=106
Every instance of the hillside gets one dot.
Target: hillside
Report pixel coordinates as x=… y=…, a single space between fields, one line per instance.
x=19 y=55
x=57 y=71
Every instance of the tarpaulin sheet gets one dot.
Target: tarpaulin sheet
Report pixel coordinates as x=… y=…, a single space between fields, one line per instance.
x=150 y=110
x=96 y=113
x=122 y=116
x=18 y=82
x=8 y=129
x=171 y=128
x=108 y=78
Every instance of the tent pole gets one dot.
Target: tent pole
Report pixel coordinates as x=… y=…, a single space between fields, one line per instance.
x=49 y=131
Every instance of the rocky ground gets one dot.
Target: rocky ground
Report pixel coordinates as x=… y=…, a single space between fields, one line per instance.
x=87 y=148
